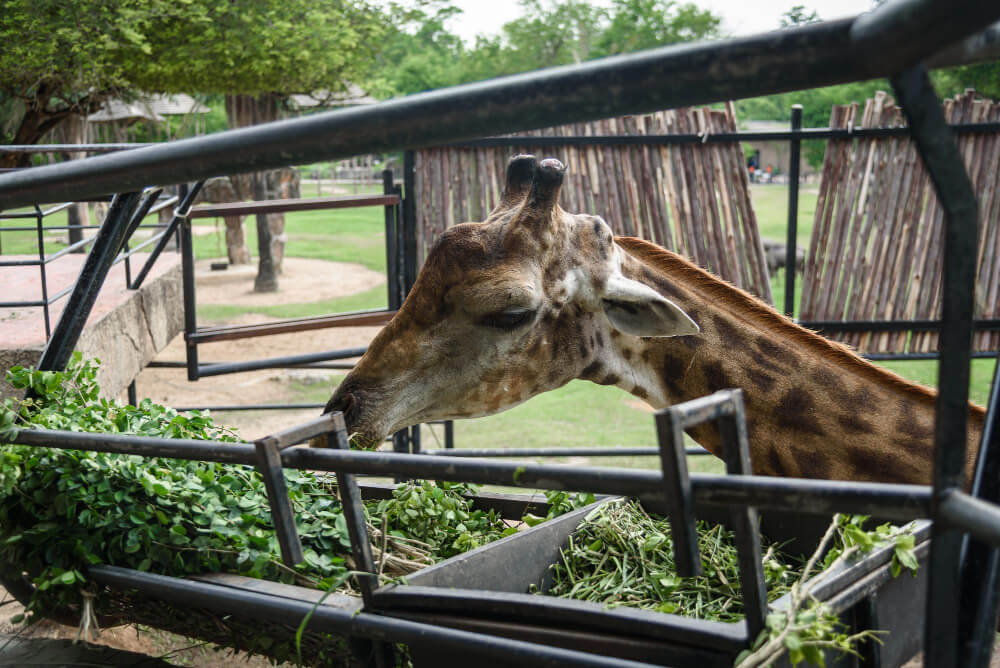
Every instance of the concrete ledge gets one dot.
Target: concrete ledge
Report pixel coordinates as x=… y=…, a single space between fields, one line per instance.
x=126 y=327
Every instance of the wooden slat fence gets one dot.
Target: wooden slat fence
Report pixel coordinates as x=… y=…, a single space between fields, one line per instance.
x=691 y=198
x=875 y=252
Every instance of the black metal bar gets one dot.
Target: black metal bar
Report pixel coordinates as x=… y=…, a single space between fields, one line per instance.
x=967 y=513
x=449 y=436
x=354 y=513
x=63 y=148
x=890 y=30
x=946 y=168
x=221 y=368
x=133 y=397
x=890 y=325
x=910 y=357
x=42 y=272
x=791 y=239
x=176 y=364
x=269 y=465
x=611 y=451
x=300 y=433
x=801 y=57
x=890 y=501
x=140 y=213
x=69 y=249
x=864 y=615
x=677 y=491
x=409 y=213
x=391 y=269
x=415 y=439
x=250 y=407
x=981 y=561
x=21 y=263
x=290 y=612
x=185 y=205
x=803 y=134
x=187 y=280
x=95 y=269
x=743 y=520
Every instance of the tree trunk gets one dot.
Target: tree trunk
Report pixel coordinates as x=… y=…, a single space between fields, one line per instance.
x=244 y=110
x=267 y=277
x=236 y=242
x=73 y=130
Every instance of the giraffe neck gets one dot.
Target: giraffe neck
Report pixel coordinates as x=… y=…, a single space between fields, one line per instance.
x=814 y=409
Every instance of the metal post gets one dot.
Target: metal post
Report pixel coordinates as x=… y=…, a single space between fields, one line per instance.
x=791 y=250
x=391 y=269
x=946 y=168
x=743 y=520
x=187 y=282
x=980 y=561
x=415 y=439
x=357 y=531
x=95 y=269
x=409 y=220
x=41 y=268
x=677 y=491
x=449 y=434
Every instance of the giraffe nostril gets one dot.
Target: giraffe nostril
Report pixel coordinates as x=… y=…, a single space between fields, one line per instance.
x=344 y=402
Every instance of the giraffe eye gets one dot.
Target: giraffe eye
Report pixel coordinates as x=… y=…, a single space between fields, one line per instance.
x=509 y=319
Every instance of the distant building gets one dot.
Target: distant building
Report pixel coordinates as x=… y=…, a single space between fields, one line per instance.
x=113 y=121
x=772 y=153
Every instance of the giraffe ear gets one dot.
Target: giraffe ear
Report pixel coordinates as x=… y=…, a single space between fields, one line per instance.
x=637 y=309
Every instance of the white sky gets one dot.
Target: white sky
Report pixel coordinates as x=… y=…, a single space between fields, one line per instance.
x=740 y=17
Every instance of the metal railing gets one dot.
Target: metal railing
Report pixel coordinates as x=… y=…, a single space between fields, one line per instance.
x=890 y=41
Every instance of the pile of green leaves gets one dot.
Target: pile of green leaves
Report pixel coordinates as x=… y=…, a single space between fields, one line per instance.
x=621 y=555
x=439 y=515
x=62 y=510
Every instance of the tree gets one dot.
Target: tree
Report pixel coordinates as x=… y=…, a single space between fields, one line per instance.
x=421 y=53
x=799 y=15
x=60 y=58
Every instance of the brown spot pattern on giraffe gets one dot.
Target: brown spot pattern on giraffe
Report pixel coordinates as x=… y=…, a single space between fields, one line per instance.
x=796 y=411
x=760 y=380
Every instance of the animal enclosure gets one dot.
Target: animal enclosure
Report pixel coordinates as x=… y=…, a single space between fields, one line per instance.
x=691 y=198
x=876 y=251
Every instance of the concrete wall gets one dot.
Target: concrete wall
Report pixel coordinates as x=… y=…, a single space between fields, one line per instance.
x=126 y=337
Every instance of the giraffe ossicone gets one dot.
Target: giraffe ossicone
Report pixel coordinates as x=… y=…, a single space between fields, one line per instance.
x=534 y=297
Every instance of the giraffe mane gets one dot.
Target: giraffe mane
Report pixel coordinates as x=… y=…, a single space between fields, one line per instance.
x=763 y=315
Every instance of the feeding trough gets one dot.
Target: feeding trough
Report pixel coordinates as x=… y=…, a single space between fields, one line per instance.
x=487 y=591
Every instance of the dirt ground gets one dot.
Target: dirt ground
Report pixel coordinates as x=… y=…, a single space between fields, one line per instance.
x=302 y=281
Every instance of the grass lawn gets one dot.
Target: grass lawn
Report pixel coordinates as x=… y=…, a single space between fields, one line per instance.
x=26 y=243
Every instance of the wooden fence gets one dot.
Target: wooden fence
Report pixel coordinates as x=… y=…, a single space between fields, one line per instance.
x=875 y=252
x=691 y=198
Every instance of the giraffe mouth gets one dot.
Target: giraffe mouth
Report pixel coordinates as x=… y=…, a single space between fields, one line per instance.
x=366 y=429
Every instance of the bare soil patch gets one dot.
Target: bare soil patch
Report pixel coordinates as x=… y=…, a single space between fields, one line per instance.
x=302 y=281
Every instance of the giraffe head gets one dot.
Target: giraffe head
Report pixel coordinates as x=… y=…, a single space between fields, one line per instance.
x=504 y=310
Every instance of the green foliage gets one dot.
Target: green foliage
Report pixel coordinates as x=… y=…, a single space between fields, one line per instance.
x=421 y=53
x=61 y=57
x=439 y=515
x=852 y=536
x=560 y=503
x=63 y=510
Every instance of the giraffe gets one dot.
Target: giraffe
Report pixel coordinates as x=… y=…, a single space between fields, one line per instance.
x=534 y=297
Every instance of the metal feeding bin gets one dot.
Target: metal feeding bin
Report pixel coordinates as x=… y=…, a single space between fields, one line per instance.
x=498 y=589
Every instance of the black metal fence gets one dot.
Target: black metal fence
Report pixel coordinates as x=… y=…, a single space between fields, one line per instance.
x=890 y=41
